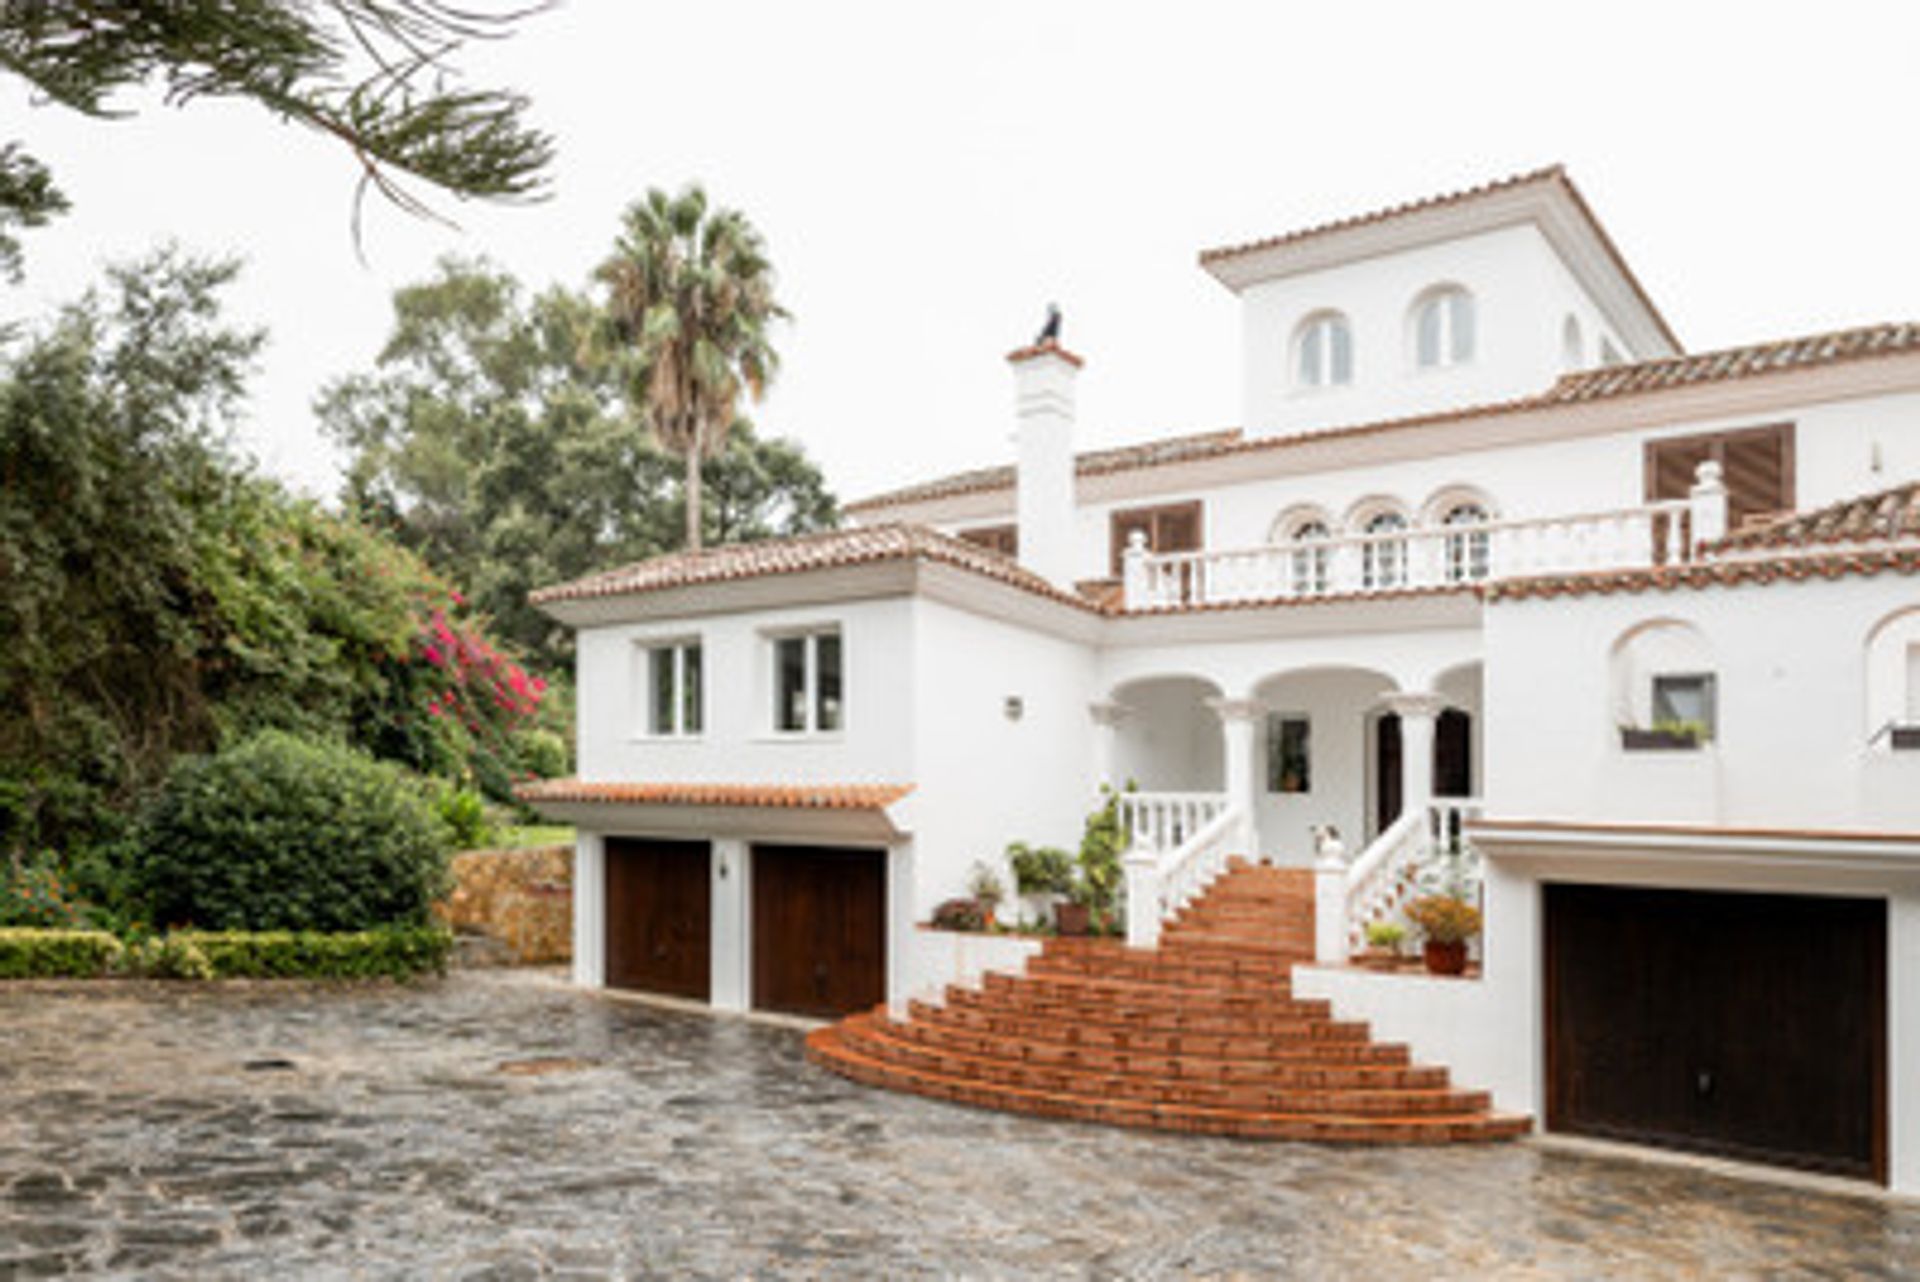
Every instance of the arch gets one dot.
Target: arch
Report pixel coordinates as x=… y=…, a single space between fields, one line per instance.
x=1172 y=740
x=1658 y=648
x=1443 y=502
x=1573 y=347
x=1462 y=510
x=1294 y=517
x=1442 y=326
x=1319 y=773
x=1322 y=350
x=1364 y=509
x=1383 y=558
x=1893 y=673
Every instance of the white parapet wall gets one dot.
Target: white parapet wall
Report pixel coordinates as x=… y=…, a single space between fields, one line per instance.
x=942 y=957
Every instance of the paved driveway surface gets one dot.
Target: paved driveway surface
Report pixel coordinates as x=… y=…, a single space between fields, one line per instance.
x=136 y=1139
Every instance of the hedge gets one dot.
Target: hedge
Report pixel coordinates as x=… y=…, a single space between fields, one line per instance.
x=28 y=952
x=395 y=953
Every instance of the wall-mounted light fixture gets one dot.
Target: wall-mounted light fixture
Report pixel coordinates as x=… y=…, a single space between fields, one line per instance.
x=1016 y=707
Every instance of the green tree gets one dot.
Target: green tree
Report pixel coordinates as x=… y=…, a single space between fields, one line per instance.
x=489 y=439
x=378 y=75
x=689 y=303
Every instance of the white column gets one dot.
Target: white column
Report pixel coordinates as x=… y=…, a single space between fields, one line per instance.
x=1903 y=1041
x=1240 y=721
x=1330 y=903
x=1142 y=868
x=1707 y=501
x=1418 y=712
x=589 y=910
x=731 y=986
x=1043 y=379
x=1107 y=718
x=1133 y=572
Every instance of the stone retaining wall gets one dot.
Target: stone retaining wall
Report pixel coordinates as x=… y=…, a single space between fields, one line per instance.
x=523 y=898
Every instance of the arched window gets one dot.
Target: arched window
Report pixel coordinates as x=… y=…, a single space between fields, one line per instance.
x=1323 y=351
x=1383 y=558
x=1609 y=354
x=1309 y=563
x=1467 y=559
x=1573 y=350
x=1443 y=328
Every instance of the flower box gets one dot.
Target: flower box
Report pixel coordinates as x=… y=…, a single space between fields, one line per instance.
x=1634 y=739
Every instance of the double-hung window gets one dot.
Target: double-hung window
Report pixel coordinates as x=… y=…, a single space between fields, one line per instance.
x=808 y=683
x=674 y=689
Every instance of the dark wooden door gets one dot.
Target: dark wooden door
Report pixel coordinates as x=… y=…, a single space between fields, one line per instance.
x=1386 y=771
x=1453 y=754
x=659 y=916
x=1752 y=1026
x=819 y=929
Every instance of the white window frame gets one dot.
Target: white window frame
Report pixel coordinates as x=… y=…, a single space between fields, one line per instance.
x=810 y=727
x=1469 y=556
x=1449 y=350
x=678 y=647
x=1383 y=564
x=1318 y=335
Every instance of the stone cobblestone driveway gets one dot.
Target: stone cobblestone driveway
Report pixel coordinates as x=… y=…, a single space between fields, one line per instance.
x=254 y=1132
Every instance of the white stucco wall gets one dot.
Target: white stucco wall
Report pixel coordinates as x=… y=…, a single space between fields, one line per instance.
x=738 y=743
x=1794 y=712
x=1522 y=294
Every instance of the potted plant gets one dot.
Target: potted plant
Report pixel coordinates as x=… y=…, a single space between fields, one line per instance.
x=1041 y=876
x=1074 y=914
x=1096 y=888
x=959 y=914
x=987 y=890
x=1447 y=922
x=1383 y=944
x=1667 y=735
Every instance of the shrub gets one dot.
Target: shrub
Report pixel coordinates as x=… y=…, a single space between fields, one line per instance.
x=391 y=953
x=1444 y=919
x=541 y=752
x=281 y=833
x=37 y=893
x=1100 y=845
x=1042 y=871
x=169 y=957
x=463 y=813
x=31 y=953
x=960 y=914
x=1386 y=934
x=984 y=884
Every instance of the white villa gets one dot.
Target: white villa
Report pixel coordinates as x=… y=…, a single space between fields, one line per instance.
x=1493 y=564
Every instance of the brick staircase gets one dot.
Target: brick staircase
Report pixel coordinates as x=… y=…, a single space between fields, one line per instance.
x=1202 y=1034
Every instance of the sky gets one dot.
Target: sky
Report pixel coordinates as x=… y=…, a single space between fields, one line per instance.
x=927 y=176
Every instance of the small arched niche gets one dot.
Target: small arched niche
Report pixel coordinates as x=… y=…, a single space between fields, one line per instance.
x=1664 y=674
x=1893 y=678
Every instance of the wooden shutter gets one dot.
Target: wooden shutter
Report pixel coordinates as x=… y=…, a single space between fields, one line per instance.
x=1004 y=539
x=1174 y=528
x=1757 y=463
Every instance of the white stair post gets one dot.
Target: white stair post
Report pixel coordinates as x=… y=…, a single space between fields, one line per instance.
x=1133 y=572
x=1330 y=903
x=1240 y=720
x=1707 y=507
x=1142 y=868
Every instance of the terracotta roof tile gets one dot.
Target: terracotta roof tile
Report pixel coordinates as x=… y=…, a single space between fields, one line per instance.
x=1580 y=387
x=836 y=548
x=1041 y=349
x=816 y=796
x=1871 y=518
x=1793 y=568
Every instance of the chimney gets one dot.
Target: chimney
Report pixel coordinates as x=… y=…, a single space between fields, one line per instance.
x=1043 y=377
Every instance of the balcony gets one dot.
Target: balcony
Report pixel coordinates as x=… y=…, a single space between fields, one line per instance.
x=1664 y=533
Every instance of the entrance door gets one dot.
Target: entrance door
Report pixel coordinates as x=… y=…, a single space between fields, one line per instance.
x=819 y=929
x=1453 y=754
x=659 y=923
x=1386 y=771
x=1752 y=1026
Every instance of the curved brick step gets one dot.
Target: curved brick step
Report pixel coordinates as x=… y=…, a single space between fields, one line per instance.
x=875 y=1039
x=828 y=1048
x=1232 y=1044
x=1296 y=1066
x=1202 y=1034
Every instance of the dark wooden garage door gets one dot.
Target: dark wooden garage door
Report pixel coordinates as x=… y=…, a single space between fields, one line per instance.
x=819 y=929
x=1752 y=1026
x=659 y=916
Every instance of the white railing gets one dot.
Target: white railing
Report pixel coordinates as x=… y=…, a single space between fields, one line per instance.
x=1164 y=820
x=1161 y=881
x=1652 y=534
x=1422 y=852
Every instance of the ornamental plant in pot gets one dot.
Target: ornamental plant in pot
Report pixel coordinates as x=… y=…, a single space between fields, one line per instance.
x=1383 y=944
x=1448 y=922
x=987 y=890
x=1042 y=875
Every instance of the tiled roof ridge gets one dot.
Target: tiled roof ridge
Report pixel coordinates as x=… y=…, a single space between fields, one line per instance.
x=1387 y=213
x=1790 y=567
x=784 y=796
x=827 y=549
x=1749 y=360
x=1886 y=514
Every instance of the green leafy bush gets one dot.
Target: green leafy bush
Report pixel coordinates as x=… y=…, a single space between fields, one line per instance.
x=1100 y=845
x=37 y=893
x=168 y=957
x=1042 y=870
x=463 y=813
x=960 y=914
x=282 y=833
x=32 y=953
x=392 y=953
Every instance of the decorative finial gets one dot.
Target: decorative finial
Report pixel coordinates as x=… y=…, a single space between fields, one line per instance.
x=1050 y=332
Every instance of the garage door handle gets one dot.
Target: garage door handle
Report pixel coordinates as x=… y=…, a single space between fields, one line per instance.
x=1703 y=1082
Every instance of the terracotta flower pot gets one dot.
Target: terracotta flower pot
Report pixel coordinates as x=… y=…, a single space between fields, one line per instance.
x=1448 y=958
x=1072 y=918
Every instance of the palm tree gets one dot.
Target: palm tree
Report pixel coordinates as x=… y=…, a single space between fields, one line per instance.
x=690 y=300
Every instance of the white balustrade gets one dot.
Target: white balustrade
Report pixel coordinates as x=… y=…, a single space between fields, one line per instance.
x=1162 y=880
x=1626 y=538
x=1420 y=853
x=1165 y=820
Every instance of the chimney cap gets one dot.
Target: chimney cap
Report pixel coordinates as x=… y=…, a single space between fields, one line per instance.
x=1048 y=348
